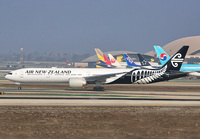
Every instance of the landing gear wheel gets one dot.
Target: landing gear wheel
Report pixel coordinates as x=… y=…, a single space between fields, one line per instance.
x=102 y=89
x=98 y=88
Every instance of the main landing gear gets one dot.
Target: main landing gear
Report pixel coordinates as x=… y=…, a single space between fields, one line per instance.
x=98 y=88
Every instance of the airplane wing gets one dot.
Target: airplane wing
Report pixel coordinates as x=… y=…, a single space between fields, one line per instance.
x=106 y=78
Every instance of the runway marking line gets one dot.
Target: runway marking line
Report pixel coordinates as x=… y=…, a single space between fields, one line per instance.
x=45 y=94
x=158 y=104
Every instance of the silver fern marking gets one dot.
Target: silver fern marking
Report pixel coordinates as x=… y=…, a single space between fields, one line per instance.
x=156 y=74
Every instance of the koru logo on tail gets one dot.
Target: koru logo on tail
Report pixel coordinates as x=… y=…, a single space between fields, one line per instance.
x=177 y=59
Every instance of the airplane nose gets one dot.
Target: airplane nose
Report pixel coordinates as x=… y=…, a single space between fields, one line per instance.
x=6 y=76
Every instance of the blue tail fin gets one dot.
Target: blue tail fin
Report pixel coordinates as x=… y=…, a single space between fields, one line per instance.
x=130 y=62
x=162 y=55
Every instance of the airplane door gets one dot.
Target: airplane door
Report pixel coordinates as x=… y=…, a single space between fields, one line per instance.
x=88 y=73
x=21 y=74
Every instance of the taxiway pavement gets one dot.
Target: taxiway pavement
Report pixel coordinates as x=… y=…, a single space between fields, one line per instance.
x=62 y=97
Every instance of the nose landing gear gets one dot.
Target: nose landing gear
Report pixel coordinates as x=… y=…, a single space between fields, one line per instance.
x=98 y=88
x=19 y=86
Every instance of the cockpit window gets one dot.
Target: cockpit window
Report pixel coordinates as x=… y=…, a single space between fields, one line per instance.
x=10 y=73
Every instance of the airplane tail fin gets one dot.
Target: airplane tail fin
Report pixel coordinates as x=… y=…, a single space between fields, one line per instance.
x=162 y=55
x=114 y=62
x=102 y=56
x=143 y=60
x=130 y=62
x=176 y=61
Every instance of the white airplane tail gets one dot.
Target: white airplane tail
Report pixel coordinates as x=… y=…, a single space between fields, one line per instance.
x=114 y=62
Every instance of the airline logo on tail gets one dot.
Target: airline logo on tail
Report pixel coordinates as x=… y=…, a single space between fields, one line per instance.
x=102 y=57
x=177 y=59
x=112 y=60
x=106 y=60
x=129 y=60
x=144 y=62
x=163 y=56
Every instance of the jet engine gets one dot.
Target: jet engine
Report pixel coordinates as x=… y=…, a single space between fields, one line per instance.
x=77 y=82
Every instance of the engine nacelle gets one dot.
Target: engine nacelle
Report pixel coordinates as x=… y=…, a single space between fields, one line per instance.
x=77 y=82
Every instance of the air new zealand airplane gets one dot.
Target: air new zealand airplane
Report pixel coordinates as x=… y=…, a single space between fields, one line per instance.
x=79 y=77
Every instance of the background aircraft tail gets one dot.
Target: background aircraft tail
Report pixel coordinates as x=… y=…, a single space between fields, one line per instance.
x=103 y=64
x=130 y=62
x=143 y=61
x=114 y=62
x=102 y=57
x=162 y=55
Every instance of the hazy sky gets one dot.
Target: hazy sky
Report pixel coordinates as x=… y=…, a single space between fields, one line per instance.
x=79 y=26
